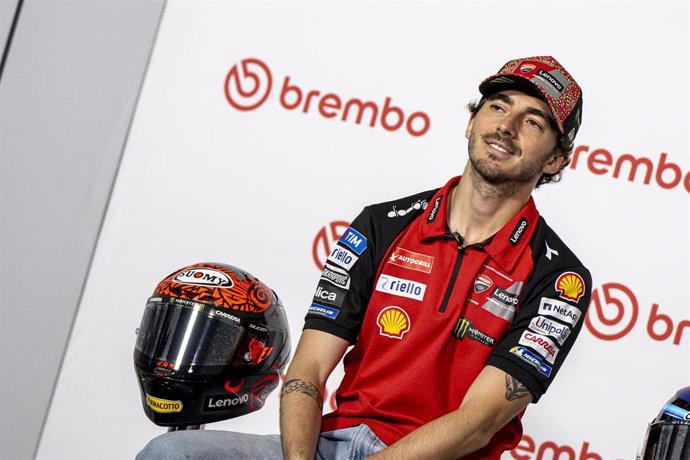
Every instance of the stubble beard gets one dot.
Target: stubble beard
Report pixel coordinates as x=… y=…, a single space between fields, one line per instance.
x=491 y=179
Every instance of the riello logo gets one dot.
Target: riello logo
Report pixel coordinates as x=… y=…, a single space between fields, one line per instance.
x=249 y=83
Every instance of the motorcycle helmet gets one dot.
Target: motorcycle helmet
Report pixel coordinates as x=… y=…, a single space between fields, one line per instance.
x=668 y=436
x=212 y=345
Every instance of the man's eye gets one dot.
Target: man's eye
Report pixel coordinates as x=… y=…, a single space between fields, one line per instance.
x=496 y=108
x=534 y=124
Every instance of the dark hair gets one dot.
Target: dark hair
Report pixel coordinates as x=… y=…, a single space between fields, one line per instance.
x=562 y=143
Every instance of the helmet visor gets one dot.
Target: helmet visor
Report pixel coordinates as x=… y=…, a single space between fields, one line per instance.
x=190 y=338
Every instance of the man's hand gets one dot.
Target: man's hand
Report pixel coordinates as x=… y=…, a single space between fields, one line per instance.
x=301 y=399
x=493 y=400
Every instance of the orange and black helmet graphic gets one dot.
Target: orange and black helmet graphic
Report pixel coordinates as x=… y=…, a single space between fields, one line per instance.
x=220 y=285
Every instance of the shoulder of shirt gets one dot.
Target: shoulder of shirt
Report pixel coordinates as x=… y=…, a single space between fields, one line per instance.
x=545 y=241
x=392 y=209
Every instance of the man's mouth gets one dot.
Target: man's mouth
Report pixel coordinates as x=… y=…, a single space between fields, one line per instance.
x=500 y=147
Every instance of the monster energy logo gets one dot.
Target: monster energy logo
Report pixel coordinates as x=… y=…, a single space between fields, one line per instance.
x=464 y=329
x=502 y=80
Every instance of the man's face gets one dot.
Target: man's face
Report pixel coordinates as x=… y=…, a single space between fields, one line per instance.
x=511 y=139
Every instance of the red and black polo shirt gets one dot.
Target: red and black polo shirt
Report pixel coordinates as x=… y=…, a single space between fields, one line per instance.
x=426 y=315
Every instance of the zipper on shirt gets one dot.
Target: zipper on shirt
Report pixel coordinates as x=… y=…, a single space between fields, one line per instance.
x=456 y=269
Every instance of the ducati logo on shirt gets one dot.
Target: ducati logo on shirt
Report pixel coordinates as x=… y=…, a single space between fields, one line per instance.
x=482 y=283
x=393 y=322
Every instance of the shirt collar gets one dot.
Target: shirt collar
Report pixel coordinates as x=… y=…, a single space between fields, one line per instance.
x=504 y=247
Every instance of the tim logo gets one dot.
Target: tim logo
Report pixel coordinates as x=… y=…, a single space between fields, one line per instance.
x=204 y=277
x=248 y=84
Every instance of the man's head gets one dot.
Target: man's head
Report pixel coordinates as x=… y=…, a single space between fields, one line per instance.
x=536 y=92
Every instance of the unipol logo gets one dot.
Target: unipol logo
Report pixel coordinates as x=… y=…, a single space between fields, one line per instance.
x=248 y=84
x=325 y=240
x=204 y=277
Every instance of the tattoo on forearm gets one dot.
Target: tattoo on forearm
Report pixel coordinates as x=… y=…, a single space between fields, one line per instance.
x=303 y=387
x=514 y=389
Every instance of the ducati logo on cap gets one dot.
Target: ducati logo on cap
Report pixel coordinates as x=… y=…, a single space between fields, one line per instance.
x=527 y=68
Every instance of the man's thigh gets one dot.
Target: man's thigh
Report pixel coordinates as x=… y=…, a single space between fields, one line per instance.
x=212 y=445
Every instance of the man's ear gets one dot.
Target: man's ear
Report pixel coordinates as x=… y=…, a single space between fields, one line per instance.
x=558 y=161
x=470 y=126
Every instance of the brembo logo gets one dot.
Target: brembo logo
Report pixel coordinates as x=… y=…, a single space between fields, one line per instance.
x=248 y=86
x=639 y=169
x=614 y=311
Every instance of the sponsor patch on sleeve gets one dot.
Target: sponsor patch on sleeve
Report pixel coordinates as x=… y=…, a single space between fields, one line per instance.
x=326 y=292
x=337 y=276
x=560 y=310
x=551 y=328
x=354 y=240
x=323 y=310
x=532 y=359
x=570 y=286
x=541 y=344
x=343 y=257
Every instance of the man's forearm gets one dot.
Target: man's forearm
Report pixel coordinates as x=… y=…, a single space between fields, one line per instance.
x=300 y=418
x=494 y=399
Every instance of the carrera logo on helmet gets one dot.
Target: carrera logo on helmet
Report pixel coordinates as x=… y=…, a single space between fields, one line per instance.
x=163 y=406
x=225 y=402
x=571 y=286
x=227 y=316
x=393 y=322
x=204 y=277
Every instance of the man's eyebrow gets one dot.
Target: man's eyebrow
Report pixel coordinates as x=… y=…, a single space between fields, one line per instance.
x=531 y=110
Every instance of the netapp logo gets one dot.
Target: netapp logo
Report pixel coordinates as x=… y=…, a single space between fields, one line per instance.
x=559 y=310
x=225 y=402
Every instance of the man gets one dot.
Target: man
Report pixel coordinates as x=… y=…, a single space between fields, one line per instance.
x=461 y=311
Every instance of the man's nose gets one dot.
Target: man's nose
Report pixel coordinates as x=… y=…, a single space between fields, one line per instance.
x=507 y=125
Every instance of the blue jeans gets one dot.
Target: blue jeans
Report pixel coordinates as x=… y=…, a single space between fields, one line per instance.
x=353 y=443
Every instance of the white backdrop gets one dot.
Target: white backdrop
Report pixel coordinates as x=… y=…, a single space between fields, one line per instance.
x=202 y=180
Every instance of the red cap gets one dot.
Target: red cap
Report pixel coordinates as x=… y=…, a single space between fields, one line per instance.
x=552 y=83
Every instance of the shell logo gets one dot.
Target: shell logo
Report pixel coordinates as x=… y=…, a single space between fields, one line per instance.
x=393 y=322
x=571 y=286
